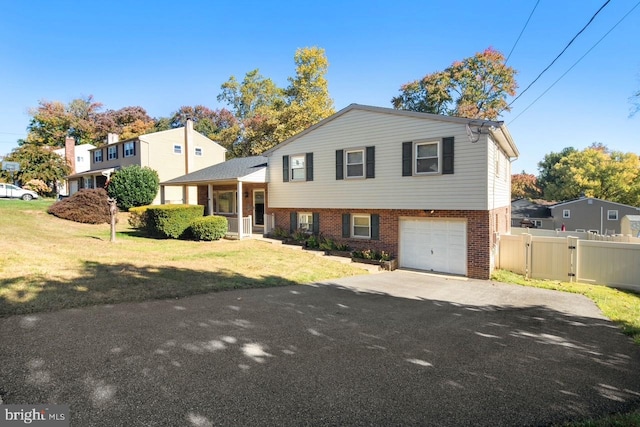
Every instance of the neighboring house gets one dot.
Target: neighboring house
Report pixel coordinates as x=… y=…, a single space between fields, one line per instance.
x=591 y=214
x=78 y=159
x=531 y=214
x=171 y=153
x=235 y=189
x=630 y=225
x=432 y=190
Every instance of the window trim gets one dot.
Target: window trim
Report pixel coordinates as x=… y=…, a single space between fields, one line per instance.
x=609 y=212
x=234 y=202
x=309 y=223
x=97 y=156
x=177 y=152
x=129 y=149
x=303 y=167
x=353 y=226
x=566 y=213
x=416 y=144
x=112 y=152
x=363 y=163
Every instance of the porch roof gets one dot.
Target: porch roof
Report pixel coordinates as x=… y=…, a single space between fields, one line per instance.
x=249 y=169
x=90 y=173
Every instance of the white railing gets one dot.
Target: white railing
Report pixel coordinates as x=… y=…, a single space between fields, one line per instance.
x=247 y=227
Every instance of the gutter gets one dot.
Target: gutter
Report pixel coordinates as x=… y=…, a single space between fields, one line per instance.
x=502 y=136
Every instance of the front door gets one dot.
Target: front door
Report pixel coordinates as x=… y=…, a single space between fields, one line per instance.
x=258 y=207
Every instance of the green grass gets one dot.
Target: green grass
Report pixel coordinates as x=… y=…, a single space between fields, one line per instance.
x=622 y=307
x=47 y=263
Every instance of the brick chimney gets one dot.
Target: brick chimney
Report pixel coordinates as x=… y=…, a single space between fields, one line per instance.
x=70 y=153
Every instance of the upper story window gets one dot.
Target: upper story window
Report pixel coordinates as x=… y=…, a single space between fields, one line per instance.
x=305 y=221
x=79 y=159
x=355 y=163
x=129 y=149
x=177 y=149
x=112 y=152
x=427 y=157
x=566 y=213
x=297 y=168
x=97 y=156
x=198 y=151
x=612 y=215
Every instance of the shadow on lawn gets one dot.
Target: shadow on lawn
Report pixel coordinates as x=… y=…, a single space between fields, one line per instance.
x=115 y=283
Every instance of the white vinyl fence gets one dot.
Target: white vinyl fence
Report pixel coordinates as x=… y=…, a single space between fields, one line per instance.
x=615 y=264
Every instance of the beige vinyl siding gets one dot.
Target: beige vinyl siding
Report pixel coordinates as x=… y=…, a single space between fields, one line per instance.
x=498 y=177
x=465 y=189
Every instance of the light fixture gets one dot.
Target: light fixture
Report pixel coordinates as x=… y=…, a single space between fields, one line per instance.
x=246 y=194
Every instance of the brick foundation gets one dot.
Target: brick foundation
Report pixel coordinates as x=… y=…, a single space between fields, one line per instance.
x=481 y=231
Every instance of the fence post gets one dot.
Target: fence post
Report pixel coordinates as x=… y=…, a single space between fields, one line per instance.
x=527 y=240
x=572 y=243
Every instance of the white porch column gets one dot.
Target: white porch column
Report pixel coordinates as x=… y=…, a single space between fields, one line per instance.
x=239 y=209
x=210 y=198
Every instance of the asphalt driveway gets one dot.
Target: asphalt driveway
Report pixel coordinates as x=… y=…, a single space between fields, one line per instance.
x=397 y=348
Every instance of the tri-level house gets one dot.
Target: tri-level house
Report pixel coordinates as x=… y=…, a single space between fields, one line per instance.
x=171 y=153
x=433 y=191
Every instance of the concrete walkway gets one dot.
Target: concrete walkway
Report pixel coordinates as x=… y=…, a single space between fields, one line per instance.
x=397 y=348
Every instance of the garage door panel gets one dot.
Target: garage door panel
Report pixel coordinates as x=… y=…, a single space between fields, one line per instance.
x=433 y=245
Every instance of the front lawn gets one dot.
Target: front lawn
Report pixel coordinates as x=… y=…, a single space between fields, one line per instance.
x=48 y=263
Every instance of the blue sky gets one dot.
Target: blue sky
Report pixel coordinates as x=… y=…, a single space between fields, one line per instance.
x=161 y=55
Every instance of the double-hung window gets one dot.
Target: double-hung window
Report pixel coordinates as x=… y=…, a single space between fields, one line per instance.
x=566 y=213
x=97 y=156
x=305 y=221
x=177 y=149
x=298 y=168
x=198 y=151
x=612 y=215
x=355 y=163
x=112 y=152
x=361 y=226
x=129 y=149
x=427 y=157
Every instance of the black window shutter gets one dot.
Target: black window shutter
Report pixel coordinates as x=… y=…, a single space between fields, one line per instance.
x=285 y=168
x=316 y=223
x=293 y=219
x=447 y=155
x=339 y=164
x=116 y=150
x=134 y=148
x=102 y=155
x=346 y=225
x=123 y=153
x=375 y=227
x=371 y=162
x=309 y=164
x=407 y=158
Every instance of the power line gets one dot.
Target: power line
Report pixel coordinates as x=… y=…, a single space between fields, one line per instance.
x=560 y=54
x=523 y=28
x=576 y=63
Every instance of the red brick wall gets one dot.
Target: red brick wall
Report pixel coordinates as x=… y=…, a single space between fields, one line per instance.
x=480 y=231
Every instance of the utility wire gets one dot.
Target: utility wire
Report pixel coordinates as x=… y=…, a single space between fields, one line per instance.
x=523 y=28
x=560 y=54
x=576 y=63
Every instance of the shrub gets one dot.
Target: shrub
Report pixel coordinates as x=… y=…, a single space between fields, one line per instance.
x=86 y=206
x=39 y=186
x=138 y=217
x=280 y=232
x=171 y=220
x=372 y=254
x=134 y=186
x=209 y=228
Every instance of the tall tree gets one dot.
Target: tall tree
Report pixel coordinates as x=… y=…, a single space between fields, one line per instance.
x=549 y=178
x=127 y=122
x=597 y=172
x=37 y=162
x=524 y=185
x=218 y=125
x=476 y=87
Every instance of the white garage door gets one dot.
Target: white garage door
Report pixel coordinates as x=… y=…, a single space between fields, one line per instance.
x=434 y=245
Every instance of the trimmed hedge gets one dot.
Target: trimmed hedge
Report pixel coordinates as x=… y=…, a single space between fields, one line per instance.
x=209 y=228
x=171 y=220
x=138 y=217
